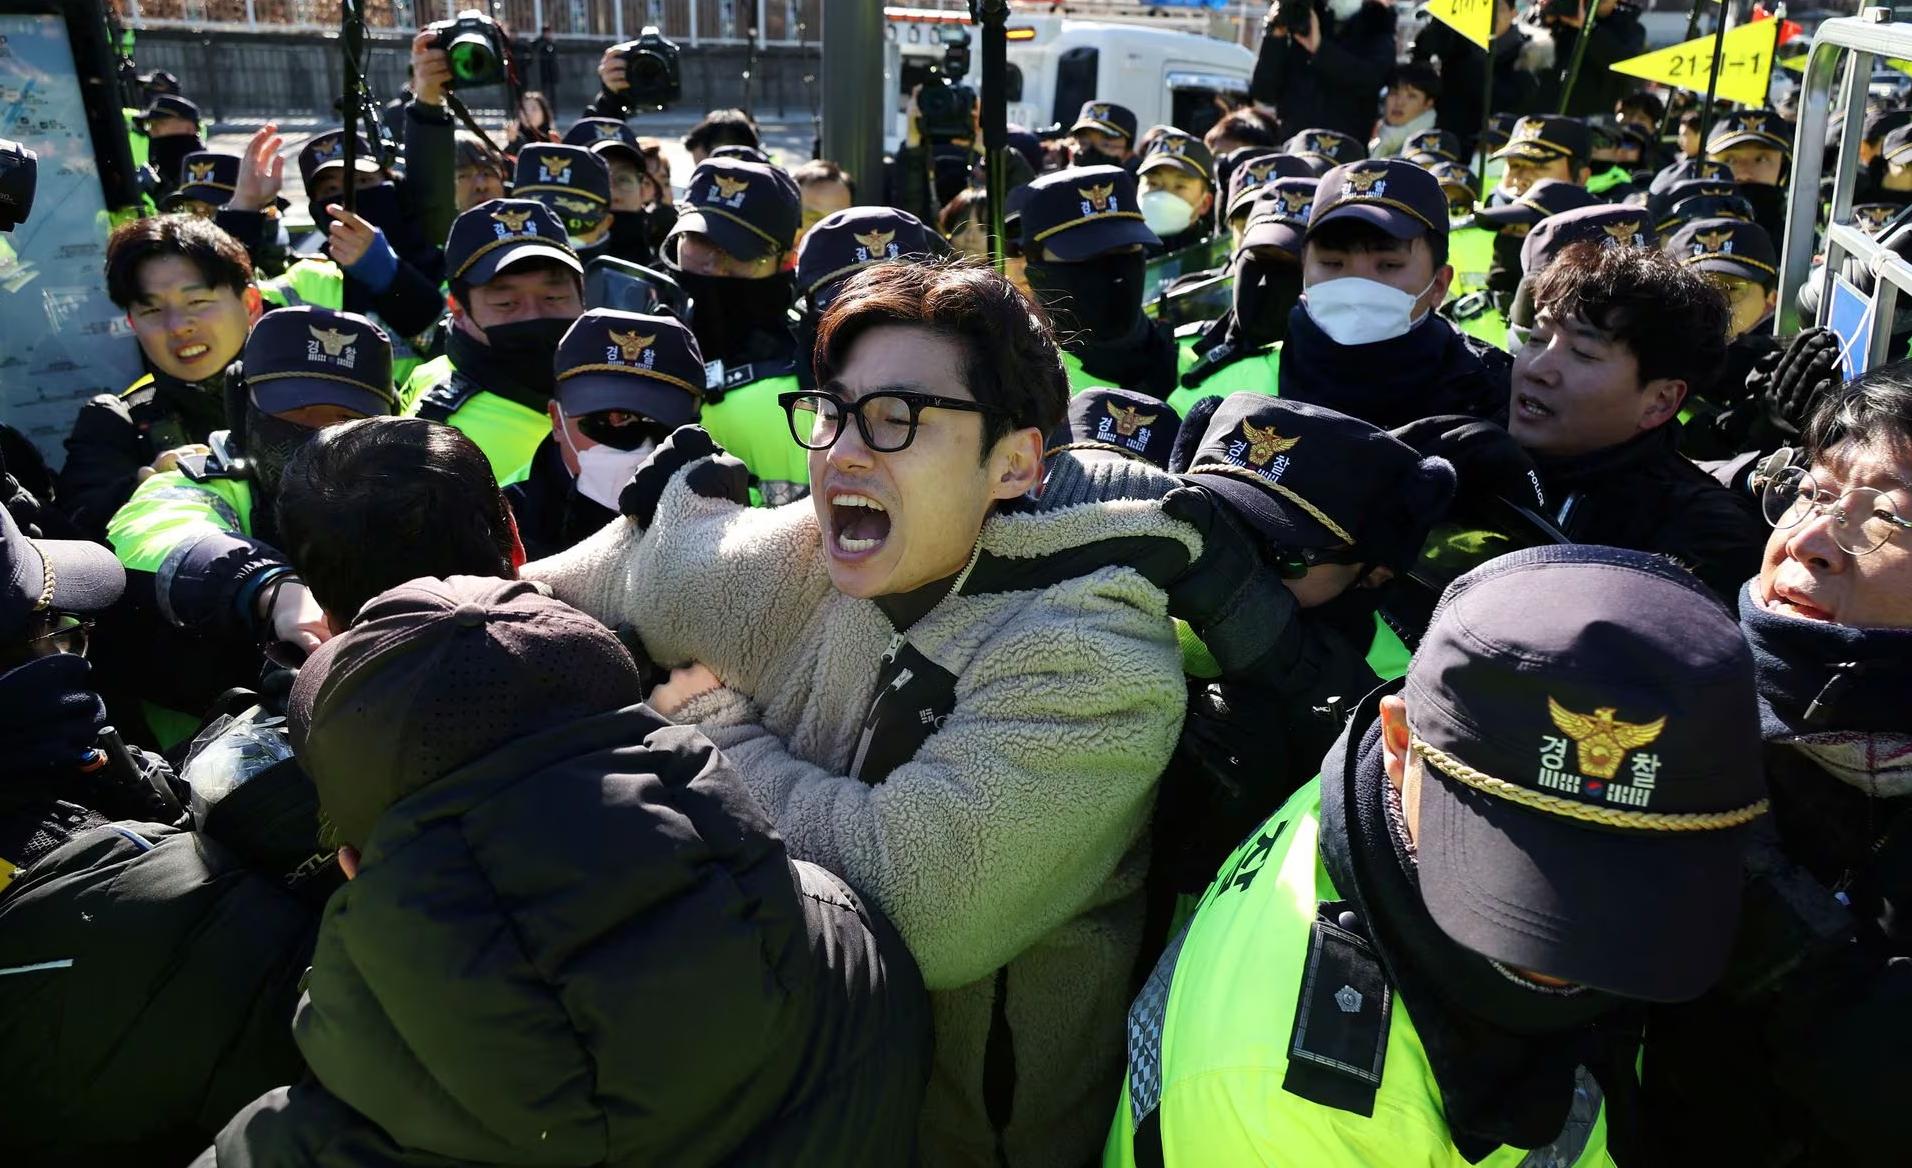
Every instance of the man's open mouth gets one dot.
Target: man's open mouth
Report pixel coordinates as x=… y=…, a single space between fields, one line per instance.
x=191 y=352
x=1528 y=406
x=858 y=523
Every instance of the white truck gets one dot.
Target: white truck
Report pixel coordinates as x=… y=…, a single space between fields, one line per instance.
x=1167 y=76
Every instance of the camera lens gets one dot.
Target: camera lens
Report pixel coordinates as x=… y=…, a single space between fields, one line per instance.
x=472 y=59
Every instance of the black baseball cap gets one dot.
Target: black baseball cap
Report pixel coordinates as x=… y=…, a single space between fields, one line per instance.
x=1325 y=149
x=1704 y=207
x=1602 y=223
x=500 y=232
x=1109 y=118
x=1249 y=175
x=750 y=209
x=1181 y=150
x=649 y=365
x=307 y=356
x=1543 y=137
x=1757 y=127
x=1686 y=170
x=1399 y=197
x=1587 y=721
x=1119 y=421
x=1443 y=144
x=572 y=181
x=1549 y=196
x=1731 y=247
x=171 y=105
x=327 y=151
x=1897 y=143
x=605 y=136
x=1082 y=212
x=210 y=176
x=1285 y=468
x=51 y=575
x=845 y=241
x=1278 y=216
x=1662 y=205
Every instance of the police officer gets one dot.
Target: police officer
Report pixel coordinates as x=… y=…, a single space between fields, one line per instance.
x=624 y=382
x=207 y=180
x=1605 y=225
x=1545 y=146
x=1084 y=240
x=516 y=286
x=1247 y=178
x=1738 y=258
x=734 y=232
x=1176 y=190
x=841 y=244
x=198 y=542
x=1511 y=221
x=1103 y=134
x=172 y=128
x=1325 y=149
x=1434 y=953
x=1757 y=145
x=576 y=185
x=1240 y=351
x=635 y=229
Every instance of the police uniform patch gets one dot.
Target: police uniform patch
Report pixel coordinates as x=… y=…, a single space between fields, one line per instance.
x=1601 y=744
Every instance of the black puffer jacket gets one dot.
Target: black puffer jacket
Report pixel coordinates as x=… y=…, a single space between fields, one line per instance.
x=1336 y=87
x=589 y=947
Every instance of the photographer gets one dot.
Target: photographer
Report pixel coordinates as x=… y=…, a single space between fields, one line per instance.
x=655 y=84
x=1617 y=34
x=936 y=162
x=1462 y=99
x=1323 y=61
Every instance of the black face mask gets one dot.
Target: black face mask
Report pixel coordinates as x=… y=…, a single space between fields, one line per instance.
x=1087 y=157
x=525 y=351
x=630 y=237
x=1266 y=291
x=1100 y=297
x=166 y=155
x=726 y=310
x=1503 y=274
x=269 y=444
x=1769 y=206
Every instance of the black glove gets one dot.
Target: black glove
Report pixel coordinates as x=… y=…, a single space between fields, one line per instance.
x=723 y=477
x=1789 y=382
x=1485 y=456
x=1234 y=601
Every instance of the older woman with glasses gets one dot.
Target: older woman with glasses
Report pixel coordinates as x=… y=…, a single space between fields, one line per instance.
x=1805 y=1045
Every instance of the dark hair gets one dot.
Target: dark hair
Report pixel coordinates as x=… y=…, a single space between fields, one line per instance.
x=1873 y=407
x=1357 y=236
x=367 y=505
x=1647 y=103
x=1670 y=317
x=1009 y=349
x=1420 y=76
x=724 y=127
x=1690 y=119
x=822 y=170
x=969 y=200
x=461 y=289
x=1244 y=126
x=220 y=258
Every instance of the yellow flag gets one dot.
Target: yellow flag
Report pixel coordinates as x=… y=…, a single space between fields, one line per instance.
x=1745 y=64
x=1473 y=19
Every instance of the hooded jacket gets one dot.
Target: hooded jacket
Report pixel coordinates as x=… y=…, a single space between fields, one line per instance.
x=588 y=947
x=985 y=776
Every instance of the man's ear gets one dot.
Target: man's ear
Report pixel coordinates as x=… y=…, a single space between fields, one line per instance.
x=256 y=303
x=1772 y=299
x=1660 y=401
x=1394 y=738
x=1207 y=209
x=1015 y=466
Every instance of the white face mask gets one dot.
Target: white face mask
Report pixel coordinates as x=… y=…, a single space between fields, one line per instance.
x=604 y=471
x=1344 y=9
x=1354 y=310
x=1165 y=212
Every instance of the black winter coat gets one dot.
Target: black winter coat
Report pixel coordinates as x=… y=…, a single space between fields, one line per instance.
x=551 y=514
x=1460 y=106
x=1336 y=87
x=1598 y=89
x=1644 y=495
x=114 y=436
x=590 y=947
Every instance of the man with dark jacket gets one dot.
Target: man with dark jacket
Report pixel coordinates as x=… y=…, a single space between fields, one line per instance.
x=1617 y=34
x=670 y=988
x=1325 y=71
x=1463 y=99
x=1621 y=336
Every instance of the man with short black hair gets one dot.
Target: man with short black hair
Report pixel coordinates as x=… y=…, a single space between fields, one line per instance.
x=1407 y=108
x=1621 y=336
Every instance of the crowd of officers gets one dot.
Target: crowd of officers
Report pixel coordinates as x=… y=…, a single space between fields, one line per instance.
x=1448 y=706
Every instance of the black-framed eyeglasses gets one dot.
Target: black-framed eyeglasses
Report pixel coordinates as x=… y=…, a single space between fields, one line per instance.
x=1862 y=519
x=622 y=429
x=1294 y=563
x=69 y=634
x=887 y=420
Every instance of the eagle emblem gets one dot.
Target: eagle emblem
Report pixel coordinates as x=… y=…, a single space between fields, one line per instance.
x=1323 y=144
x=730 y=188
x=554 y=170
x=1099 y=112
x=200 y=171
x=1600 y=739
x=1875 y=216
x=326 y=149
x=1714 y=240
x=514 y=221
x=1362 y=182
x=1260 y=169
x=333 y=341
x=1128 y=419
x=1528 y=128
x=1175 y=146
x=876 y=241
x=1264 y=444
x=1297 y=202
x=604 y=133
x=632 y=346
x=1101 y=198
x=1623 y=233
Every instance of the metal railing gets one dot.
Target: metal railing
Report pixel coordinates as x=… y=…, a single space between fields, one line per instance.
x=1842 y=55
x=689 y=22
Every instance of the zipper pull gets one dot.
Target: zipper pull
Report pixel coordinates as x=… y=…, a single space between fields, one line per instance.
x=896 y=645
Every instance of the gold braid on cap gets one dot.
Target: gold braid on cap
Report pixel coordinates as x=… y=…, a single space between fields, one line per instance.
x=1540 y=801
x=1315 y=513
x=46 y=583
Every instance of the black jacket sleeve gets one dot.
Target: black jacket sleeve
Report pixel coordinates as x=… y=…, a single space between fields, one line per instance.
x=910 y=188
x=1357 y=58
x=104 y=452
x=609 y=105
x=1271 y=71
x=431 y=177
x=411 y=303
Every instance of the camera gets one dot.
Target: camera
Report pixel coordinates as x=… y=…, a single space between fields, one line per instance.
x=19 y=172
x=478 y=48
x=1558 y=10
x=651 y=69
x=946 y=105
x=1295 y=16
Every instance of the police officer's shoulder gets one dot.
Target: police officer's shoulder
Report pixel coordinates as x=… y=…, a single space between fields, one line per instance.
x=440 y=401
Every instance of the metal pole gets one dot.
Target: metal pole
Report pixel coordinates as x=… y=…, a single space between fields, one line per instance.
x=353 y=36
x=1486 y=108
x=1712 y=80
x=1579 y=54
x=995 y=56
x=617 y=19
x=852 y=119
x=693 y=6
